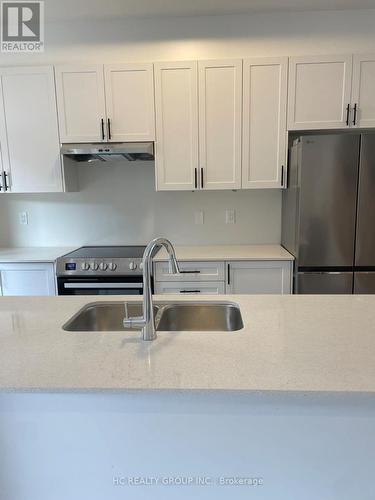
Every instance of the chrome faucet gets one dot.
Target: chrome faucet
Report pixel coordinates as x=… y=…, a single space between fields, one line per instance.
x=147 y=321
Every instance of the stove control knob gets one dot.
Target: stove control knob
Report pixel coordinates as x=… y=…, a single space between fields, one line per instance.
x=132 y=266
x=94 y=266
x=141 y=266
x=85 y=266
x=103 y=266
x=112 y=266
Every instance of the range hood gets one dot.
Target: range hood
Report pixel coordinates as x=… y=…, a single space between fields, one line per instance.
x=99 y=152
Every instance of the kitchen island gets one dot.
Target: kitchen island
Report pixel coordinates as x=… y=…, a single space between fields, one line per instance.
x=282 y=409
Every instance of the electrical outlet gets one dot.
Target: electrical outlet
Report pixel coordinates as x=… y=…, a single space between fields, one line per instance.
x=230 y=216
x=23 y=218
x=199 y=217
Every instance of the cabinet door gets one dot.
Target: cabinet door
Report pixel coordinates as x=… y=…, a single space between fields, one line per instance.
x=129 y=91
x=220 y=105
x=259 y=277
x=189 y=288
x=319 y=92
x=4 y=155
x=176 y=148
x=264 y=121
x=363 y=91
x=81 y=103
x=28 y=279
x=28 y=107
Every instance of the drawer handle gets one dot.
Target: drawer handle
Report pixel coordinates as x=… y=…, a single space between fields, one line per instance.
x=190 y=291
x=189 y=272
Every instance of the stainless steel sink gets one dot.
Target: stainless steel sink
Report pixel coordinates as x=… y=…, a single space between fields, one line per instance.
x=103 y=317
x=169 y=317
x=204 y=317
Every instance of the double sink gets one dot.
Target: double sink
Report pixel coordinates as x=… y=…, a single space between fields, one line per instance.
x=169 y=317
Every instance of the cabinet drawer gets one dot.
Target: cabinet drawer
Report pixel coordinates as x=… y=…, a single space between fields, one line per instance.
x=189 y=288
x=191 y=271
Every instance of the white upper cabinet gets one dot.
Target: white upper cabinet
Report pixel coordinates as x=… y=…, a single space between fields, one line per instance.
x=363 y=96
x=129 y=91
x=106 y=103
x=29 y=138
x=264 y=143
x=319 y=92
x=81 y=103
x=220 y=115
x=176 y=148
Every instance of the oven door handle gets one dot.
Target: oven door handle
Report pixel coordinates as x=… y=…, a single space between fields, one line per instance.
x=102 y=285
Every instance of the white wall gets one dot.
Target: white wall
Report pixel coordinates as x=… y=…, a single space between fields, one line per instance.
x=127 y=209
x=118 y=204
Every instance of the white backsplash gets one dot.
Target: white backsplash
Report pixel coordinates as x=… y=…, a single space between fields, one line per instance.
x=118 y=204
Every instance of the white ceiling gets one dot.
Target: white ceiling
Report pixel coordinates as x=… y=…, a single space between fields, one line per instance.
x=97 y=9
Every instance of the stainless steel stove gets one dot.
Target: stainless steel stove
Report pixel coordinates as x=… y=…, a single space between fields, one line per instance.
x=104 y=270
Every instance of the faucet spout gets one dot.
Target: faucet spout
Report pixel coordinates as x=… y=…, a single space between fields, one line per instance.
x=147 y=321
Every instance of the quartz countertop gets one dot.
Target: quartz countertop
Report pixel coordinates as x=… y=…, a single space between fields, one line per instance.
x=33 y=254
x=228 y=252
x=288 y=343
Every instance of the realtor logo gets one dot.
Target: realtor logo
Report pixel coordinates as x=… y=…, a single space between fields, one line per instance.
x=22 y=26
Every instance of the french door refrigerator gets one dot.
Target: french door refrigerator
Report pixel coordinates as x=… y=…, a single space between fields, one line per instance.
x=329 y=213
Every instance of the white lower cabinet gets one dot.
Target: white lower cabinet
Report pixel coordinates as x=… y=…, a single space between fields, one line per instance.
x=259 y=277
x=190 y=287
x=241 y=277
x=27 y=279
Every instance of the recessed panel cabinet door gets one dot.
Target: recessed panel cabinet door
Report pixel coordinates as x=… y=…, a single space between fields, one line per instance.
x=259 y=277
x=29 y=135
x=30 y=279
x=264 y=121
x=129 y=90
x=81 y=103
x=220 y=115
x=176 y=100
x=363 y=99
x=319 y=92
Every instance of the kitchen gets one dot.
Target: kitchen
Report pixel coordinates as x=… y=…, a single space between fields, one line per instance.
x=222 y=95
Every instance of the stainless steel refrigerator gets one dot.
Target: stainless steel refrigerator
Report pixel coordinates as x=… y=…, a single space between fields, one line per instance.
x=328 y=220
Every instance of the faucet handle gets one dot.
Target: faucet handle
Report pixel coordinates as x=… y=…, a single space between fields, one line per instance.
x=135 y=322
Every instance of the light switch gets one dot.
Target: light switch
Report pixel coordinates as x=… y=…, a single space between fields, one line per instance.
x=23 y=218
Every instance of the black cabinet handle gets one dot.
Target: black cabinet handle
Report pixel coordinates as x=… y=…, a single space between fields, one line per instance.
x=228 y=273
x=103 y=134
x=202 y=178
x=355 y=114
x=196 y=178
x=189 y=272
x=190 y=291
x=6 y=186
x=282 y=175
x=347 y=114
x=109 y=129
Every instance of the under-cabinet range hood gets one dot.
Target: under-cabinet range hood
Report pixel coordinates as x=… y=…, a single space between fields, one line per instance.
x=99 y=152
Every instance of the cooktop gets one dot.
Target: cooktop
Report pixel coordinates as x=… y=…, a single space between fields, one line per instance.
x=107 y=252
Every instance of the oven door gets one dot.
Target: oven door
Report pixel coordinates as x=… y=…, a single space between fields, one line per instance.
x=100 y=286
